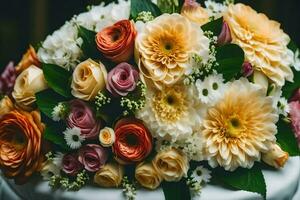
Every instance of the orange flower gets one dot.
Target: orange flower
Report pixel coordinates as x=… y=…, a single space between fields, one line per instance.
x=28 y=59
x=116 y=42
x=20 y=144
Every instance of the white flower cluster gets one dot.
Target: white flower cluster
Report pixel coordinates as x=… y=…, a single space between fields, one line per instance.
x=199 y=177
x=62 y=47
x=214 y=9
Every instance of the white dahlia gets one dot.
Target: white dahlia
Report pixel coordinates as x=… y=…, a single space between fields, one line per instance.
x=239 y=127
x=172 y=113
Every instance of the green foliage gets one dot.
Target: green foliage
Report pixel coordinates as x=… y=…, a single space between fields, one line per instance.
x=54 y=134
x=286 y=138
x=251 y=180
x=214 y=26
x=176 y=190
x=230 y=58
x=58 y=79
x=138 y=6
x=88 y=47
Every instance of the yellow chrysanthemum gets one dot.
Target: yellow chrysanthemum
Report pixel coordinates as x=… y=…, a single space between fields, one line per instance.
x=164 y=46
x=239 y=127
x=264 y=42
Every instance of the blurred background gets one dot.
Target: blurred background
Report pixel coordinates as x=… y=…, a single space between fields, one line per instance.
x=24 y=22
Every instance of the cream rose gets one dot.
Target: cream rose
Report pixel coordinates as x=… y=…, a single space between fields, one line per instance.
x=171 y=164
x=276 y=157
x=194 y=12
x=147 y=176
x=110 y=175
x=263 y=41
x=28 y=83
x=107 y=137
x=89 y=77
x=5 y=105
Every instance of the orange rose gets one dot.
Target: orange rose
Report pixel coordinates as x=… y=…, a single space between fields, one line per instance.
x=28 y=59
x=133 y=141
x=116 y=42
x=20 y=144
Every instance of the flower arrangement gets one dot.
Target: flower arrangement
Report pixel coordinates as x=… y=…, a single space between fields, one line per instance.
x=148 y=94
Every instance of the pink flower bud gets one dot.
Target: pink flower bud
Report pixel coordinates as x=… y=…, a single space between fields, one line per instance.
x=247 y=69
x=225 y=35
x=7 y=79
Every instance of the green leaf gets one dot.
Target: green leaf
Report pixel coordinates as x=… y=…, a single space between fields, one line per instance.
x=54 y=134
x=88 y=47
x=289 y=88
x=286 y=138
x=176 y=190
x=251 y=180
x=138 y=6
x=292 y=46
x=58 y=79
x=230 y=58
x=47 y=100
x=214 y=26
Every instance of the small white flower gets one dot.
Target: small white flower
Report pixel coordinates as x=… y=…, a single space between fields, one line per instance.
x=58 y=112
x=201 y=174
x=73 y=137
x=297 y=60
x=214 y=9
x=57 y=159
x=283 y=107
x=49 y=170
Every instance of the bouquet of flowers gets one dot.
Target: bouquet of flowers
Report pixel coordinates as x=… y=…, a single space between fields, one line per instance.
x=147 y=93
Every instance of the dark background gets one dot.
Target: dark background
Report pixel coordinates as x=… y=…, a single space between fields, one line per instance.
x=24 y=22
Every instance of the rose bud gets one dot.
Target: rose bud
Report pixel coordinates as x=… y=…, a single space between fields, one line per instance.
x=296 y=96
x=28 y=83
x=295 y=118
x=7 y=79
x=107 y=137
x=21 y=152
x=89 y=77
x=225 y=35
x=194 y=12
x=247 y=69
x=147 y=176
x=171 y=164
x=276 y=157
x=116 y=42
x=6 y=106
x=28 y=59
x=133 y=141
x=110 y=175
x=82 y=117
x=71 y=165
x=122 y=79
x=92 y=156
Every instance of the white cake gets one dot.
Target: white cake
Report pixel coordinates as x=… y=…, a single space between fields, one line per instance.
x=281 y=185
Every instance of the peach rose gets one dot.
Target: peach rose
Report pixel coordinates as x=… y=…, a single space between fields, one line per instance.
x=6 y=106
x=89 y=77
x=116 y=42
x=28 y=59
x=110 y=175
x=28 y=83
x=147 y=176
x=275 y=157
x=172 y=164
x=194 y=12
x=21 y=145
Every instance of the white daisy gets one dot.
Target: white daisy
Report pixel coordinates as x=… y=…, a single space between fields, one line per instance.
x=283 y=107
x=48 y=170
x=201 y=174
x=73 y=137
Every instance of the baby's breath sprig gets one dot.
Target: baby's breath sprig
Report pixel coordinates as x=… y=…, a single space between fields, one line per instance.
x=195 y=186
x=101 y=99
x=129 y=189
x=134 y=101
x=145 y=16
x=49 y=156
x=228 y=2
x=60 y=111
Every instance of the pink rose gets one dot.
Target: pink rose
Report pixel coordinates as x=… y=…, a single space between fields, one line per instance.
x=122 y=79
x=8 y=78
x=92 y=156
x=295 y=116
x=82 y=117
x=71 y=165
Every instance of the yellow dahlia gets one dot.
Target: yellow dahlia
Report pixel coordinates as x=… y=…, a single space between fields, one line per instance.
x=264 y=42
x=239 y=127
x=163 y=48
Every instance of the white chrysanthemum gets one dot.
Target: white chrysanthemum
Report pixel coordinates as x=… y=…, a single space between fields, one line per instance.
x=214 y=9
x=211 y=89
x=283 y=107
x=201 y=174
x=48 y=170
x=73 y=137
x=99 y=17
x=296 y=60
x=172 y=113
x=62 y=47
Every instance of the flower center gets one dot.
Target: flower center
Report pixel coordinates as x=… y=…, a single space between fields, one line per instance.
x=75 y=138
x=131 y=139
x=233 y=127
x=170 y=104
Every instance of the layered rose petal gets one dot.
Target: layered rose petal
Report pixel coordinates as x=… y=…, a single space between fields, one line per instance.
x=28 y=59
x=116 y=42
x=71 y=165
x=21 y=145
